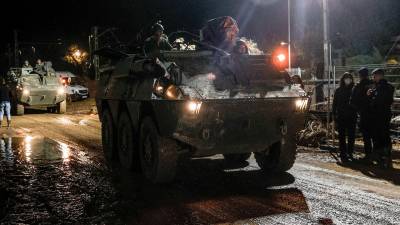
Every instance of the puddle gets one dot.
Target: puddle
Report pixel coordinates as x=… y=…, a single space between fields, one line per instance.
x=38 y=150
x=43 y=181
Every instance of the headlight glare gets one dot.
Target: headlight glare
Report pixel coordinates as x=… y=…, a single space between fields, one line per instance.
x=194 y=107
x=60 y=91
x=25 y=92
x=301 y=105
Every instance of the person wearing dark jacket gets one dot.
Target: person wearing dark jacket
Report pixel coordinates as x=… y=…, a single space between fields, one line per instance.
x=360 y=101
x=345 y=117
x=5 y=106
x=381 y=99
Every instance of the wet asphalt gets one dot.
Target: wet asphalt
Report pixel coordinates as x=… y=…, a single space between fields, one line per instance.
x=52 y=172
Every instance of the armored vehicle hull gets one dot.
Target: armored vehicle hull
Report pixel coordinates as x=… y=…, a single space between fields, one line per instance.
x=151 y=116
x=31 y=90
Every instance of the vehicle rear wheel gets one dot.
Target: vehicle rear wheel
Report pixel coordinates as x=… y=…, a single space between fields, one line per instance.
x=126 y=141
x=279 y=157
x=236 y=158
x=108 y=136
x=61 y=107
x=158 y=155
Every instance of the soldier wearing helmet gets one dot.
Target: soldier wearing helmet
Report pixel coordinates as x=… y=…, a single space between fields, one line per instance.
x=157 y=42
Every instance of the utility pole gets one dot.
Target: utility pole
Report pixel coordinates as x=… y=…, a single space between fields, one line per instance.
x=326 y=38
x=289 y=39
x=95 y=47
x=16 y=51
x=327 y=59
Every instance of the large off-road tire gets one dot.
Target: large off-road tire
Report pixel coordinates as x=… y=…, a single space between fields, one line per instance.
x=108 y=137
x=127 y=142
x=61 y=107
x=158 y=155
x=236 y=158
x=279 y=157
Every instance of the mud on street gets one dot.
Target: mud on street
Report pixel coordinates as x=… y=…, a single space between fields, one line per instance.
x=52 y=172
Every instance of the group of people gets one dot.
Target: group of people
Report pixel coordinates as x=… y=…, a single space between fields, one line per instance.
x=158 y=41
x=369 y=100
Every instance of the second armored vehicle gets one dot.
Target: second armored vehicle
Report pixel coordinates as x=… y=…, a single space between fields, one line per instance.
x=35 y=89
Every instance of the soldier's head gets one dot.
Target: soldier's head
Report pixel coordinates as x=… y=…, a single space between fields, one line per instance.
x=39 y=62
x=241 y=48
x=158 y=30
x=346 y=80
x=363 y=73
x=26 y=63
x=378 y=74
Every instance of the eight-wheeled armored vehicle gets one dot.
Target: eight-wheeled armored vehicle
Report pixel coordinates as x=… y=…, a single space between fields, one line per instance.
x=35 y=89
x=198 y=102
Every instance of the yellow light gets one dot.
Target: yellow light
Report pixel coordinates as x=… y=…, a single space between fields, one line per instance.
x=301 y=104
x=194 y=107
x=77 y=53
x=60 y=91
x=25 y=92
x=172 y=93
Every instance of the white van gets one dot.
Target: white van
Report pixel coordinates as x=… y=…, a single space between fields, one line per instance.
x=73 y=86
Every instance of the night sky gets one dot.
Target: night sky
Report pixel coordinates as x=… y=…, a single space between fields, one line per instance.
x=263 y=20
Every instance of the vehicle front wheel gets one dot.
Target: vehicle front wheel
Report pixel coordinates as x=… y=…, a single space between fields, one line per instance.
x=20 y=110
x=278 y=158
x=126 y=141
x=158 y=155
x=236 y=158
x=61 y=107
x=108 y=136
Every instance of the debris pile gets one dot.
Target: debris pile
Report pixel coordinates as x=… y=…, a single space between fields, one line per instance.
x=314 y=133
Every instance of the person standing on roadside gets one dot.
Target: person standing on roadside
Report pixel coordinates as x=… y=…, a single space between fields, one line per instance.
x=345 y=116
x=360 y=101
x=5 y=106
x=381 y=100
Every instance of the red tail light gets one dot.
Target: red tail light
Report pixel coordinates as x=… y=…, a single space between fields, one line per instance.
x=280 y=59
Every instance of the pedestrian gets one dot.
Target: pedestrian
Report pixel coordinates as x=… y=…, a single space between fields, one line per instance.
x=360 y=101
x=381 y=99
x=5 y=106
x=345 y=117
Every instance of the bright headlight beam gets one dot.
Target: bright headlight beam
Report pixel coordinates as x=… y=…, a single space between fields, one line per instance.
x=301 y=104
x=25 y=92
x=194 y=107
x=60 y=91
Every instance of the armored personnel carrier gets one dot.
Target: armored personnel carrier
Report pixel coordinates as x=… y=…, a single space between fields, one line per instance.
x=199 y=102
x=31 y=88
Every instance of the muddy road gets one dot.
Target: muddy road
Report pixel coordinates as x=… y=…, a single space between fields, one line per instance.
x=52 y=172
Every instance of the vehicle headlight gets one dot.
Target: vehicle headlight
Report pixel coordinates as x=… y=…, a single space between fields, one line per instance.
x=194 y=107
x=172 y=93
x=26 y=92
x=301 y=105
x=60 y=91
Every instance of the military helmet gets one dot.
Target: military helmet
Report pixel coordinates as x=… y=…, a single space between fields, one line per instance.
x=157 y=27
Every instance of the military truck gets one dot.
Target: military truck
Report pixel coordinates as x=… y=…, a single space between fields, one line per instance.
x=31 y=88
x=198 y=103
